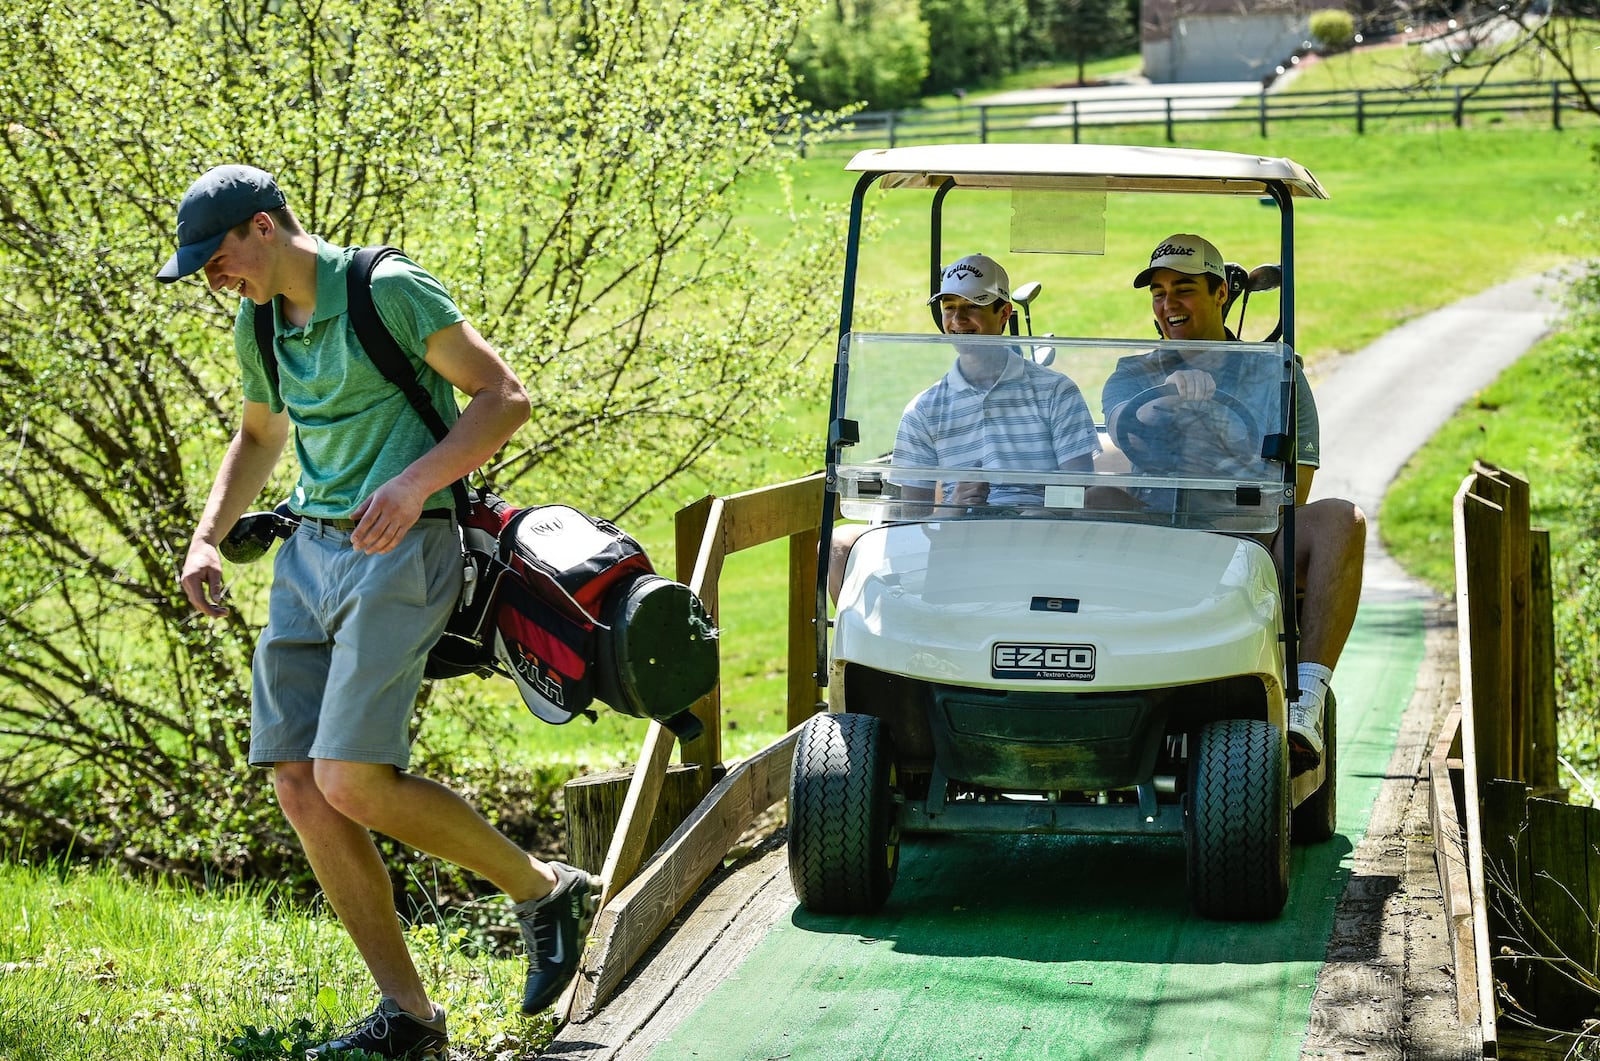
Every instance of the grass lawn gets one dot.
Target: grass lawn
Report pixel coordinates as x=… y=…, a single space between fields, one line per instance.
x=94 y=966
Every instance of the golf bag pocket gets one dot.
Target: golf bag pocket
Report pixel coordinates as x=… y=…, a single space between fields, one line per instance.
x=467 y=644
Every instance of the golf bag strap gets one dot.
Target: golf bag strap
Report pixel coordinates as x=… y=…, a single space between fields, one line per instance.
x=379 y=344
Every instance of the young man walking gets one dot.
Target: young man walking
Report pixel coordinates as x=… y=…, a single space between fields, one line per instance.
x=364 y=587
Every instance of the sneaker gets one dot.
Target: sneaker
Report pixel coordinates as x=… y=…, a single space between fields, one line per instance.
x=391 y=1032
x=553 y=928
x=1305 y=735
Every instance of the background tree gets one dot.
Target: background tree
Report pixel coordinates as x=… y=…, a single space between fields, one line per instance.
x=1081 y=30
x=862 y=52
x=973 y=42
x=563 y=166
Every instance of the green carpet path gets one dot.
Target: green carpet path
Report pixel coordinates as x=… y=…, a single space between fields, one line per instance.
x=1030 y=948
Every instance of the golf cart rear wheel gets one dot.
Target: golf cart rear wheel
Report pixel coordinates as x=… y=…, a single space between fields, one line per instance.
x=1316 y=819
x=1237 y=831
x=844 y=843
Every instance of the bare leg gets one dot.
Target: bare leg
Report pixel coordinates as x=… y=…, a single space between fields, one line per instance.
x=333 y=805
x=1330 y=542
x=839 y=546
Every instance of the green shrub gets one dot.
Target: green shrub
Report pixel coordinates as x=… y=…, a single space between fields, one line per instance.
x=877 y=56
x=1333 y=29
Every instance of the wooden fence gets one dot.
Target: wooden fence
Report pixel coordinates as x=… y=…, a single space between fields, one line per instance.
x=1519 y=867
x=642 y=897
x=1354 y=108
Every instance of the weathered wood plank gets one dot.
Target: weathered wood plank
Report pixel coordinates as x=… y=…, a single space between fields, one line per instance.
x=1475 y=566
x=1485 y=636
x=1450 y=857
x=630 y=921
x=803 y=692
x=594 y=805
x=760 y=516
x=1560 y=924
x=698 y=536
x=1544 y=773
x=714 y=937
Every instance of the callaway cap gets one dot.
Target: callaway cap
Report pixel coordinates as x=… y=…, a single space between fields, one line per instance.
x=1183 y=253
x=222 y=198
x=977 y=278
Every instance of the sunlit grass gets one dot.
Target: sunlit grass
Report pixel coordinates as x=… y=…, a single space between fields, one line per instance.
x=96 y=966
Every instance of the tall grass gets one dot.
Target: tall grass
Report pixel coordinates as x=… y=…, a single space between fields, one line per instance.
x=96 y=966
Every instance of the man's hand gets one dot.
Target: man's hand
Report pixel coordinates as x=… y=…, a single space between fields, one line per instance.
x=202 y=579
x=967 y=494
x=1193 y=384
x=385 y=517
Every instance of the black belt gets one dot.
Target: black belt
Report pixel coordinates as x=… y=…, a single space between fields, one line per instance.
x=348 y=525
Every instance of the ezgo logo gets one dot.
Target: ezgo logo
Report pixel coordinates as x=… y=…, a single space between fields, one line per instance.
x=1062 y=663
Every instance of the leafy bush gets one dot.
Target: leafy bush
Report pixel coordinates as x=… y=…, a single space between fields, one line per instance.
x=871 y=54
x=1333 y=29
x=973 y=42
x=1576 y=573
x=565 y=168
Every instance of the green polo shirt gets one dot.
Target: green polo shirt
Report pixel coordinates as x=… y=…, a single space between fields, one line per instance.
x=353 y=429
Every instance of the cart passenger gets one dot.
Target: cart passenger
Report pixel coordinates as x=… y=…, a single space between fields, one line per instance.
x=993 y=409
x=1188 y=292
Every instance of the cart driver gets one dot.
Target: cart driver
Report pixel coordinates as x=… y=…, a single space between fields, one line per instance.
x=1188 y=291
x=993 y=409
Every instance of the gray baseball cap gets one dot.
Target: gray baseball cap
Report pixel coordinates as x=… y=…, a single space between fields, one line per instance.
x=223 y=197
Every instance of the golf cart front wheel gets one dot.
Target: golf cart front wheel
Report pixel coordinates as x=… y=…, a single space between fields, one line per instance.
x=1237 y=830
x=844 y=843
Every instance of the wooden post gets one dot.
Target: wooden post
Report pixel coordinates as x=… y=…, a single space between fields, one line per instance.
x=594 y=806
x=689 y=529
x=804 y=688
x=1510 y=492
x=1486 y=638
x=1473 y=518
x=1544 y=775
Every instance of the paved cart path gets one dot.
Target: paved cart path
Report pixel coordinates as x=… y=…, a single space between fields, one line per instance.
x=1030 y=948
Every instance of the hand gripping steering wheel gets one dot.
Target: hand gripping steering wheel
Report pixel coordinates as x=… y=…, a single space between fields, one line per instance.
x=1198 y=443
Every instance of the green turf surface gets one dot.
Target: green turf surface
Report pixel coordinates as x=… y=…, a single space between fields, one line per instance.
x=1029 y=948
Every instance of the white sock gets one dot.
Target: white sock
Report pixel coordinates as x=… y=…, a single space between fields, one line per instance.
x=1313 y=683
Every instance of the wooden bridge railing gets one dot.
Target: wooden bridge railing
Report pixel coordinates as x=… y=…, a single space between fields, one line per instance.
x=640 y=899
x=1519 y=867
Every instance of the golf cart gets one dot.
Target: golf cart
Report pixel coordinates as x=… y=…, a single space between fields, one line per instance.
x=1106 y=651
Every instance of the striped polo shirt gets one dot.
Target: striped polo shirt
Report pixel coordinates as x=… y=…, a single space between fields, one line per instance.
x=1030 y=418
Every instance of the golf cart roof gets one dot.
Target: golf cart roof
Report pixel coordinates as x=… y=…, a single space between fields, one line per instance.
x=1069 y=166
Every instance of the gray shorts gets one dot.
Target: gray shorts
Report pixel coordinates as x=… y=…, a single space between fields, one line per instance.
x=340 y=662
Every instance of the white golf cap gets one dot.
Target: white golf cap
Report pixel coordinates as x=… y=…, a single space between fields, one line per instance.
x=977 y=278
x=1183 y=253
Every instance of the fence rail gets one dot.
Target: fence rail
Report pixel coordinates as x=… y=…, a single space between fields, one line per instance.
x=1354 y=107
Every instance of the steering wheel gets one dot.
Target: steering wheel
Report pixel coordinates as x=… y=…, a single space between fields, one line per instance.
x=1190 y=437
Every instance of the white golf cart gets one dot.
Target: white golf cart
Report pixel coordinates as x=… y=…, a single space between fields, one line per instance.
x=1105 y=651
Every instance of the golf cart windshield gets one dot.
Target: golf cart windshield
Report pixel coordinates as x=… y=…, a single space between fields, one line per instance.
x=978 y=427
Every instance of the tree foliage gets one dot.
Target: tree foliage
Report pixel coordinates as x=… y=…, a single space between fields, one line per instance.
x=973 y=42
x=565 y=167
x=1081 y=30
x=872 y=52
